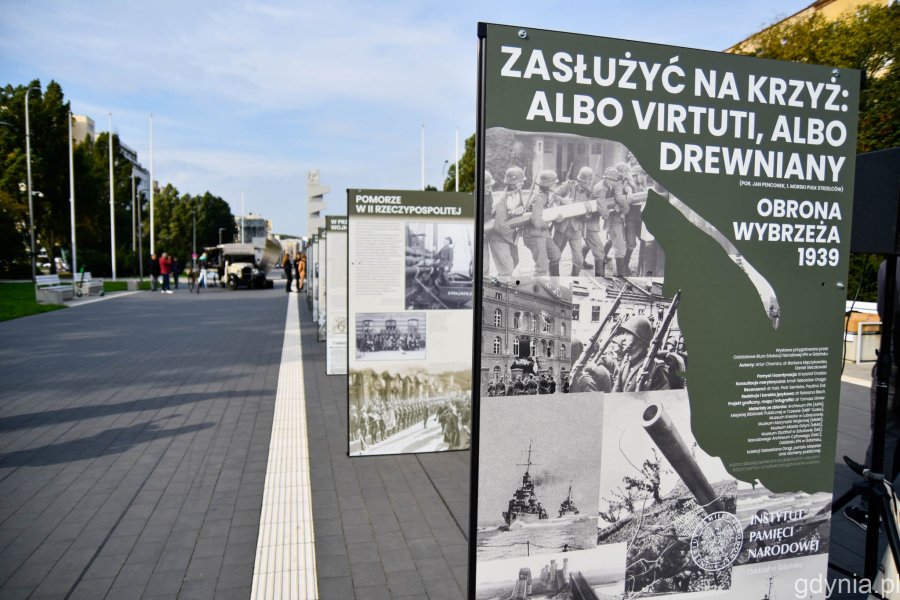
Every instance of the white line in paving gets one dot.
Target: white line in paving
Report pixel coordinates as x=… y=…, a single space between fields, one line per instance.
x=285 y=550
x=109 y=296
x=856 y=381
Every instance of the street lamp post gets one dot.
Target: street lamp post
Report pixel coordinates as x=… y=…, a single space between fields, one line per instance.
x=112 y=200
x=221 y=229
x=28 y=169
x=194 y=252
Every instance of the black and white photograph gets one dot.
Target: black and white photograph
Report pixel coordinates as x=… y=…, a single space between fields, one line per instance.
x=798 y=578
x=596 y=573
x=526 y=337
x=390 y=336
x=404 y=410
x=439 y=265
x=671 y=501
x=566 y=205
x=539 y=495
x=625 y=336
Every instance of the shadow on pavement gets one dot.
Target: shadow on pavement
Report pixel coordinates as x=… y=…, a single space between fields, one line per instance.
x=78 y=413
x=111 y=441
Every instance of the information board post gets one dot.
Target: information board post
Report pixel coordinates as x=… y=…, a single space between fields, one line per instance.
x=336 y=295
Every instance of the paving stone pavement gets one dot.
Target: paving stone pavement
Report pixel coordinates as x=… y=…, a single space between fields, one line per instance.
x=133 y=442
x=385 y=526
x=133 y=447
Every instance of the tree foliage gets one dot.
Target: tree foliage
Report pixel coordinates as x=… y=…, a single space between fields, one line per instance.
x=466 y=170
x=48 y=119
x=865 y=39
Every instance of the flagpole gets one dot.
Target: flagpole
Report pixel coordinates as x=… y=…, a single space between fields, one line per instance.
x=457 y=159
x=112 y=199
x=73 y=266
x=152 y=230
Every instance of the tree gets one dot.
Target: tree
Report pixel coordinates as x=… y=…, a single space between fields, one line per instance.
x=48 y=120
x=466 y=170
x=866 y=40
x=48 y=114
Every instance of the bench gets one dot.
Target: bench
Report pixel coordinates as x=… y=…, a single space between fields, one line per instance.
x=49 y=290
x=87 y=287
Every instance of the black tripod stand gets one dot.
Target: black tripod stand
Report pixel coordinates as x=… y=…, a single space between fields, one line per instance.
x=875 y=487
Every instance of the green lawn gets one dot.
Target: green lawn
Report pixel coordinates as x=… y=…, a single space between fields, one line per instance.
x=122 y=286
x=17 y=300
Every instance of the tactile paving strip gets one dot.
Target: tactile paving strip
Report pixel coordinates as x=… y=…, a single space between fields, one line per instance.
x=285 y=550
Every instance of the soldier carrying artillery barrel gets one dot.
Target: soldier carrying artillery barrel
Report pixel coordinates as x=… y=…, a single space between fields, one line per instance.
x=502 y=240
x=612 y=206
x=570 y=231
x=545 y=253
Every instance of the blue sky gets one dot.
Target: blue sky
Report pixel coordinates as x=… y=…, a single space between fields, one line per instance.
x=249 y=95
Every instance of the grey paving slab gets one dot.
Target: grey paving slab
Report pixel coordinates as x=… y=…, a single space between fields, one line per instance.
x=134 y=436
x=380 y=521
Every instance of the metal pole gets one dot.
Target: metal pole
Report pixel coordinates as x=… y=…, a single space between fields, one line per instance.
x=457 y=159
x=112 y=199
x=72 y=267
x=140 y=240
x=152 y=230
x=28 y=169
x=221 y=229
x=423 y=156
x=194 y=253
x=133 y=217
x=242 y=217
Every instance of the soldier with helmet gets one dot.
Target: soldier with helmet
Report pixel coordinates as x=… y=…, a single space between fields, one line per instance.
x=571 y=231
x=502 y=240
x=612 y=206
x=488 y=204
x=537 y=233
x=633 y=221
x=635 y=336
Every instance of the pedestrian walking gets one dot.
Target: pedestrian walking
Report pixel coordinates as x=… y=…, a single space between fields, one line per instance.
x=153 y=264
x=297 y=274
x=287 y=264
x=177 y=268
x=301 y=271
x=201 y=280
x=165 y=269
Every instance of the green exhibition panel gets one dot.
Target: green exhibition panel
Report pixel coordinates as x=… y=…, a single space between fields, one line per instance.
x=663 y=243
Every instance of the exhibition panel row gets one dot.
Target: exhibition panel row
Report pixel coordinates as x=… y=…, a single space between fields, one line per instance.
x=633 y=322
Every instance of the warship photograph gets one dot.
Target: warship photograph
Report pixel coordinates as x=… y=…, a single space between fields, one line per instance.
x=524 y=506
x=568 y=508
x=533 y=495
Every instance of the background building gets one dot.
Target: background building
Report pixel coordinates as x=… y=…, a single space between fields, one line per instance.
x=594 y=297
x=830 y=9
x=521 y=322
x=315 y=202
x=254 y=226
x=82 y=128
